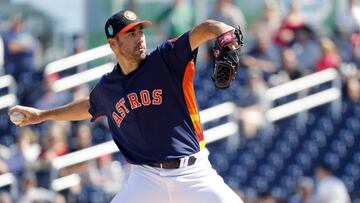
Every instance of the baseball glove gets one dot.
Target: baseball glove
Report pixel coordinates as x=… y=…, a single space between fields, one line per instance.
x=227 y=57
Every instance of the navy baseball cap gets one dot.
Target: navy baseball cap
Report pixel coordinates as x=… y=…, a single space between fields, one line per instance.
x=122 y=22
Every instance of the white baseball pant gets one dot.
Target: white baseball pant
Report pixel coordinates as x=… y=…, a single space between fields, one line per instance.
x=190 y=184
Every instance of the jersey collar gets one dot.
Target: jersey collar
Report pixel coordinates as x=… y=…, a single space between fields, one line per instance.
x=122 y=75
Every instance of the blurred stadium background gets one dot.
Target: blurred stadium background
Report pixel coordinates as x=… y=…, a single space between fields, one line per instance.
x=295 y=103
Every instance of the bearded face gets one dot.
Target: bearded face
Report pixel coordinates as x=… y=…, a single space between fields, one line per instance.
x=131 y=45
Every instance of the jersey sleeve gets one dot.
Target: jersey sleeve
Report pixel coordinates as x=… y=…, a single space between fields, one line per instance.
x=176 y=53
x=96 y=108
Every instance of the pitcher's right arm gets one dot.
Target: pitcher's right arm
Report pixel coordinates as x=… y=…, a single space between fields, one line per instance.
x=74 y=111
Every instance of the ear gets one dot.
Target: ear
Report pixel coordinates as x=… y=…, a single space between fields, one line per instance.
x=112 y=43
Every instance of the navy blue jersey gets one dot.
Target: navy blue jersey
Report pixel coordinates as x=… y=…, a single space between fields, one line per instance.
x=152 y=111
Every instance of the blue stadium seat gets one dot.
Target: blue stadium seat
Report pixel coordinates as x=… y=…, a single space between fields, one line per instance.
x=265 y=140
x=292 y=139
x=356 y=158
x=7 y=139
x=311 y=118
x=233 y=182
x=267 y=172
x=277 y=157
x=319 y=137
x=356 y=200
x=339 y=148
x=275 y=160
x=220 y=161
x=326 y=125
x=239 y=171
x=304 y=159
x=333 y=159
x=250 y=191
x=347 y=136
x=345 y=105
x=353 y=170
x=248 y=160
x=295 y=170
x=288 y=182
x=242 y=145
x=283 y=148
x=279 y=192
x=357 y=111
x=353 y=124
x=256 y=149
x=259 y=183
x=311 y=148
x=348 y=181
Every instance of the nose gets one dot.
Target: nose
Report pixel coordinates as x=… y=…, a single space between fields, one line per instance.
x=141 y=39
x=141 y=36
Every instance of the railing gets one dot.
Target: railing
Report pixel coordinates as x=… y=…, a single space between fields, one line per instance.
x=8 y=179
x=76 y=60
x=81 y=78
x=9 y=99
x=298 y=86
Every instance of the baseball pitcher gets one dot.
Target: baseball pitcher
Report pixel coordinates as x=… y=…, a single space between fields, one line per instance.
x=149 y=102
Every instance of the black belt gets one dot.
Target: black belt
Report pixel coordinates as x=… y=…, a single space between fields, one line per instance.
x=176 y=163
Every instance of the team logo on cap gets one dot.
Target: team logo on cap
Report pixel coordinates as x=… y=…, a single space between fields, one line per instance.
x=110 y=30
x=130 y=15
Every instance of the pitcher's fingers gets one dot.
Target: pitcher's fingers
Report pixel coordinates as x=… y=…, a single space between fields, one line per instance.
x=16 y=108
x=23 y=124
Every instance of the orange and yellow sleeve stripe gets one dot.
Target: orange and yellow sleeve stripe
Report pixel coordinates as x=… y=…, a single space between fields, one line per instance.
x=189 y=94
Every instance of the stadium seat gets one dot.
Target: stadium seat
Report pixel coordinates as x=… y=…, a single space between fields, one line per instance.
x=275 y=160
x=339 y=148
x=249 y=161
x=288 y=182
x=319 y=137
x=283 y=148
x=348 y=181
x=333 y=159
x=356 y=158
x=295 y=170
x=267 y=171
x=239 y=171
x=353 y=123
x=259 y=183
x=311 y=148
x=304 y=159
x=356 y=200
x=326 y=125
x=347 y=137
x=292 y=139
x=353 y=170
